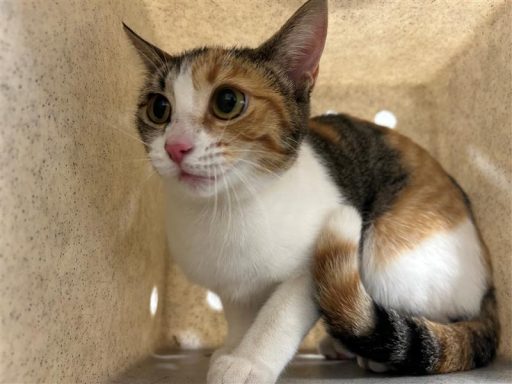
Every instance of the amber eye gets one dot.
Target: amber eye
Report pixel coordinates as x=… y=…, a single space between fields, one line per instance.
x=228 y=103
x=159 y=109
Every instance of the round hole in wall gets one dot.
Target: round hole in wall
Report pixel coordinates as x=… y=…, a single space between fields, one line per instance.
x=385 y=118
x=153 y=301
x=213 y=301
x=188 y=339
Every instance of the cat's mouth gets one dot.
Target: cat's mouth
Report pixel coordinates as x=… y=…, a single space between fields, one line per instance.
x=194 y=179
x=198 y=180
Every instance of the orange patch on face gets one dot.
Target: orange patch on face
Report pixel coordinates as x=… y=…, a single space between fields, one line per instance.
x=264 y=124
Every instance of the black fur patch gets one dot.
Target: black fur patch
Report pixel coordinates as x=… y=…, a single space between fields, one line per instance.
x=403 y=343
x=365 y=168
x=423 y=353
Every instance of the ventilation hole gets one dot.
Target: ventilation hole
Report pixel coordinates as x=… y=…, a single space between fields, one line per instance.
x=189 y=339
x=385 y=118
x=153 y=301
x=213 y=301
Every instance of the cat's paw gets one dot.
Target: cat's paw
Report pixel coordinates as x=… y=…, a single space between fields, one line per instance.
x=230 y=369
x=222 y=351
x=332 y=350
x=371 y=365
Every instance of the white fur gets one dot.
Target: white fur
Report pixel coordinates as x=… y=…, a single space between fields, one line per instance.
x=256 y=253
x=346 y=222
x=188 y=108
x=251 y=245
x=443 y=278
x=187 y=101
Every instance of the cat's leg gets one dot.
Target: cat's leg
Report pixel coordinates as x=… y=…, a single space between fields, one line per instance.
x=339 y=240
x=334 y=350
x=239 y=318
x=272 y=339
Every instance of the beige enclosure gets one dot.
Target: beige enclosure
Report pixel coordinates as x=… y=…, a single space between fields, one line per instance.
x=86 y=285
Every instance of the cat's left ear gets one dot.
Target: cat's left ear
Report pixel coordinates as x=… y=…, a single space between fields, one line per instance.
x=152 y=56
x=298 y=45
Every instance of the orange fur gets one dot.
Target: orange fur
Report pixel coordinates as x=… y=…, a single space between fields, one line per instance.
x=265 y=121
x=430 y=203
x=324 y=130
x=456 y=339
x=336 y=264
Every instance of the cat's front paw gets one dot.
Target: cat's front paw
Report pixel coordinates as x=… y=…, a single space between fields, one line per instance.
x=230 y=369
x=222 y=351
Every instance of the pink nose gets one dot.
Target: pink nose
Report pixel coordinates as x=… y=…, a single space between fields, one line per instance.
x=178 y=149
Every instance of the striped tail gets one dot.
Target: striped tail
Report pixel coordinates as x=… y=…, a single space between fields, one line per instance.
x=406 y=344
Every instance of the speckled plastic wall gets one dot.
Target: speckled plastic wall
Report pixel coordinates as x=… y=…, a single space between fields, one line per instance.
x=81 y=235
x=443 y=68
x=81 y=238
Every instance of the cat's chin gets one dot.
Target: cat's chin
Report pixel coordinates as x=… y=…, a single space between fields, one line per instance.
x=194 y=186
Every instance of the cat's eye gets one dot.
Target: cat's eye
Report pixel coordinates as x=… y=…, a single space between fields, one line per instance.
x=159 y=109
x=228 y=103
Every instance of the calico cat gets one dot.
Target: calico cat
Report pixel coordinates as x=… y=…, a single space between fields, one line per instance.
x=289 y=219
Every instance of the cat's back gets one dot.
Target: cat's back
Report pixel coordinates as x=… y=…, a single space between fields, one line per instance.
x=416 y=218
x=376 y=167
x=361 y=159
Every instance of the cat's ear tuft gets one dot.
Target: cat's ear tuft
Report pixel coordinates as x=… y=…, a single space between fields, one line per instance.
x=298 y=45
x=152 y=56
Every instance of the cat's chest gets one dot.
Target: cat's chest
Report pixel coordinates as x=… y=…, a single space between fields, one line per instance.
x=244 y=251
x=249 y=246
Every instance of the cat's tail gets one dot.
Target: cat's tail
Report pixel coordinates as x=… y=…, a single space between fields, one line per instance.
x=406 y=344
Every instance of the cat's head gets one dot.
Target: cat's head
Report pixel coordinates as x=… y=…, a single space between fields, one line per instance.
x=214 y=119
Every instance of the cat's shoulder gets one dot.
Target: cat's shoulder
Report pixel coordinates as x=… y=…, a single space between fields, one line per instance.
x=352 y=134
x=346 y=122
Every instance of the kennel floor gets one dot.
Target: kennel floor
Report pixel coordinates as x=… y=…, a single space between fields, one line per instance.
x=179 y=367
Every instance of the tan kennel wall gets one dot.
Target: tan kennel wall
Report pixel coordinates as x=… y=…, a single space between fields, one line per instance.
x=82 y=244
x=443 y=68
x=81 y=240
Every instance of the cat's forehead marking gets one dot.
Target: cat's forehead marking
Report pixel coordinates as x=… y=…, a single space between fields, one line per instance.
x=207 y=67
x=189 y=101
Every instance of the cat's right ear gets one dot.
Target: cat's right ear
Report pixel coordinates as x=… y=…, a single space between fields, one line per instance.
x=152 y=56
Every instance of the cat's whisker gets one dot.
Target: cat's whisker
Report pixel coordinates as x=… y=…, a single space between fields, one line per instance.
x=126 y=134
x=254 y=195
x=215 y=203
x=129 y=161
x=223 y=131
x=230 y=214
x=146 y=180
x=259 y=166
x=251 y=151
x=239 y=204
x=232 y=139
